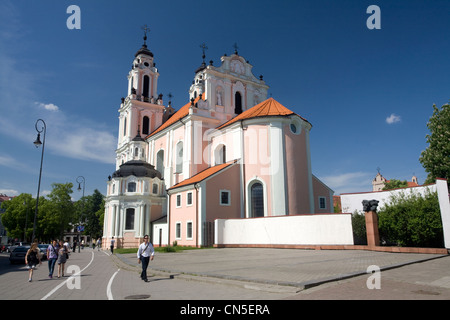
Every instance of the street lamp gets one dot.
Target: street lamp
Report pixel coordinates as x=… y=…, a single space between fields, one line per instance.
x=80 y=180
x=37 y=143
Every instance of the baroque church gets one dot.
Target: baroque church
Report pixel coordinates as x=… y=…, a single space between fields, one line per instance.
x=228 y=153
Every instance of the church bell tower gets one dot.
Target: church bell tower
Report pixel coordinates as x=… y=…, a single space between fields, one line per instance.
x=142 y=110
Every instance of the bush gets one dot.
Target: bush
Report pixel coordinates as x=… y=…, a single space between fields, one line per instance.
x=412 y=220
x=359 y=228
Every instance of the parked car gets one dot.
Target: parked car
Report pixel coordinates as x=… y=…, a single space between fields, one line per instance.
x=4 y=248
x=18 y=244
x=43 y=250
x=18 y=254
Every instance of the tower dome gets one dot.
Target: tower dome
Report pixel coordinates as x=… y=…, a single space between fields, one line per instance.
x=138 y=169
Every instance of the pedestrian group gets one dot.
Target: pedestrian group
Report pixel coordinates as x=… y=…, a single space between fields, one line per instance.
x=58 y=253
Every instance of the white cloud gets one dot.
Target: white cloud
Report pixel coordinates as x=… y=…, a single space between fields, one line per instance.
x=393 y=118
x=9 y=192
x=349 y=182
x=47 y=106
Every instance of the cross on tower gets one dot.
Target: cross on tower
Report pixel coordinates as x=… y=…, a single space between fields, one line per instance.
x=235 y=46
x=146 y=29
x=204 y=47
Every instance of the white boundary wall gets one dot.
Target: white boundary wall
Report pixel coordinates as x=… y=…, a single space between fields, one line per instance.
x=353 y=201
x=313 y=229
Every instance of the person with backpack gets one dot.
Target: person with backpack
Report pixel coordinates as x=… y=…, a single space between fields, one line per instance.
x=32 y=258
x=144 y=254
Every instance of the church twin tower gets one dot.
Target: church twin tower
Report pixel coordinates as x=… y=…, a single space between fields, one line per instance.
x=228 y=90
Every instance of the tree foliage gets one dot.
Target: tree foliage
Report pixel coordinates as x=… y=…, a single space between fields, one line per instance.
x=56 y=214
x=395 y=184
x=436 y=158
x=412 y=220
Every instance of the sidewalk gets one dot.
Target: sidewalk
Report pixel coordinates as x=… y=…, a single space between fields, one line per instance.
x=292 y=268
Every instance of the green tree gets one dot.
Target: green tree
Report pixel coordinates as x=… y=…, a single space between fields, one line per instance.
x=412 y=220
x=18 y=216
x=57 y=211
x=436 y=158
x=395 y=184
x=94 y=203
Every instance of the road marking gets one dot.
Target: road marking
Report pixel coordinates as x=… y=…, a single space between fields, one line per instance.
x=63 y=283
x=108 y=289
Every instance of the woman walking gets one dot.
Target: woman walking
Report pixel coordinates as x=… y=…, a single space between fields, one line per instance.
x=62 y=258
x=32 y=258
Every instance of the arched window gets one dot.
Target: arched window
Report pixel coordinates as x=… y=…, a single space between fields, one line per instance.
x=145 y=125
x=160 y=162
x=257 y=200
x=237 y=103
x=179 y=158
x=220 y=156
x=146 y=88
x=129 y=219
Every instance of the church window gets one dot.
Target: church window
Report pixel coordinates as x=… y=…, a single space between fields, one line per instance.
x=225 y=197
x=178 y=230
x=145 y=125
x=293 y=128
x=155 y=188
x=131 y=187
x=189 y=230
x=129 y=219
x=178 y=200
x=146 y=88
x=238 y=103
x=160 y=162
x=220 y=154
x=189 y=199
x=136 y=152
x=179 y=158
x=125 y=126
x=257 y=200
x=322 y=203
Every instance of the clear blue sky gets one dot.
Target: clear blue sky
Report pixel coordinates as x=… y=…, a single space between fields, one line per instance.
x=318 y=57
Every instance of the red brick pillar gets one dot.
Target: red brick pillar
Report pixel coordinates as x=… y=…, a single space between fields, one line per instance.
x=373 y=237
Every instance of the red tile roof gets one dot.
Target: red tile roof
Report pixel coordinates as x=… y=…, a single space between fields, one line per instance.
x=203 y=174
x=183 y=112
x=267 y=108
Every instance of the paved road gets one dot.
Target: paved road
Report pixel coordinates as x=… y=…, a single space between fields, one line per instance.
x=236 y=274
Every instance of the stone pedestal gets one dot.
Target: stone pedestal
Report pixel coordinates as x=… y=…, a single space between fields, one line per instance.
x=373 y=237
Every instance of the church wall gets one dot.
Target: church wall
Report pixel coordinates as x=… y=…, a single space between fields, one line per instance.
x=322 y=191
x=257 y=162
x=182 y=215
x=228 y=181
x=296 y=171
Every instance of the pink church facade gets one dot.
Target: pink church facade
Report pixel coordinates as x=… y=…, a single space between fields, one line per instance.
x=229 y=153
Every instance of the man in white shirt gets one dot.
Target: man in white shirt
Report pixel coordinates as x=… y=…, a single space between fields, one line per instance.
x=144 y=254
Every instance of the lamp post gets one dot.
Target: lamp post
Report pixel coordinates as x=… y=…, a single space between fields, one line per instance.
x=37 y=143
x=80 y=180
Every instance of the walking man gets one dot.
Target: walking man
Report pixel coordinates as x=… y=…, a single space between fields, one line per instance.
x=112 y=245
x=144 y=254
